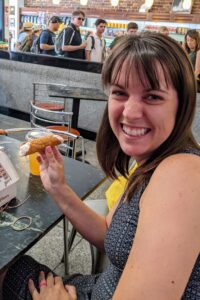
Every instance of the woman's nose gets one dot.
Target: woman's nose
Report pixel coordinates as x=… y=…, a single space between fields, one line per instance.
x=133 y=108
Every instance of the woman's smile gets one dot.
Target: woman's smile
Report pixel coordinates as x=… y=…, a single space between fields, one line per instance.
x=134 y=131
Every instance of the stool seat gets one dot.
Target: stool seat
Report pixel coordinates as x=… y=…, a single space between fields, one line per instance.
x=50 y=106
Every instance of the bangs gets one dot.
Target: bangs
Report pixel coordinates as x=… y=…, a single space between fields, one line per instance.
x=138 y=60
x=147 y=73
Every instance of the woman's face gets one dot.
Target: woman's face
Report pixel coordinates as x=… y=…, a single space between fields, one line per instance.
x=141 y=118
x=191 y=43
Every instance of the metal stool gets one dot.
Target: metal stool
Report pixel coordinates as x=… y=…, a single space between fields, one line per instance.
x=45 y=112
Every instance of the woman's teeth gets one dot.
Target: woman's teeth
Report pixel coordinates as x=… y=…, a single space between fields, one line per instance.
x=134 y=131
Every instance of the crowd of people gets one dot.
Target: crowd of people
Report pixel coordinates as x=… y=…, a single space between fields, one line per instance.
x=94 y=47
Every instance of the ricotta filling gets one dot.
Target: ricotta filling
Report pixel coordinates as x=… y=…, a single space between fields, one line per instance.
x=24 y=148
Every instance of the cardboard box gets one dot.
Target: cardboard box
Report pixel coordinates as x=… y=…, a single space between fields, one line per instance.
x=8 y=179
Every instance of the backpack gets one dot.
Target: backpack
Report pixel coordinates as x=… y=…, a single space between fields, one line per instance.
x=36 y=44
x=60 y=39
x=93 y=42
x=26 y=44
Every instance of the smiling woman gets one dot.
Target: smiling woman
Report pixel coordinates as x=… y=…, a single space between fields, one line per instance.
x=157 y=89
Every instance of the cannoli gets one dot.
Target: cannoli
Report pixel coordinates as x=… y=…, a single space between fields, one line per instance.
x=39 y=144
x=3 y=132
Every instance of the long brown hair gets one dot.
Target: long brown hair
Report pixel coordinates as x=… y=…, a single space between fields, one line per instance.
x=142 y=53
x=193 y=34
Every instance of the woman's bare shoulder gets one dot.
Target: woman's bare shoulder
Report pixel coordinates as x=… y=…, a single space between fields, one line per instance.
x=176 y=175
x=180 y=164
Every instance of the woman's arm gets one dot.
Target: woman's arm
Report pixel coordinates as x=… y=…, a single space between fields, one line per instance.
x=91 y=225
x=167 y=242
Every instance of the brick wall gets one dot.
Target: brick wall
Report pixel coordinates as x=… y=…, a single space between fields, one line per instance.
x=126 y=8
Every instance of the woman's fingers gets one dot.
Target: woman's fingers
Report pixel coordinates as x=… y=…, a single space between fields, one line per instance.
x=57 y=153
x=58 y=280
x=50 y=279
x=72 y=291
x=50 y=154
x=41 y=276
x=41 y=158
x=33 y=290
x=42 y=280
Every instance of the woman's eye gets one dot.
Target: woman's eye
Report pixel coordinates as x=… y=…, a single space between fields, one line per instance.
x=153 y=97
x=117 y=93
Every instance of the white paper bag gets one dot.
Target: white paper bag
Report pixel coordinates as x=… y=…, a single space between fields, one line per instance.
x=8 y=179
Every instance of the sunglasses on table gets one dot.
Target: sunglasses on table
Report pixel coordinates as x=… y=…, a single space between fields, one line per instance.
x=81 y=19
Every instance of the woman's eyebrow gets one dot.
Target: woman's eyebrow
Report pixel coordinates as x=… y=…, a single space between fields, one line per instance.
x=117 y=85
x=156 y=90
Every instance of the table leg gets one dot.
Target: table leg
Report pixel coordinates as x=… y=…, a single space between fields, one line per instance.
x=75 y=110
x=66 y=251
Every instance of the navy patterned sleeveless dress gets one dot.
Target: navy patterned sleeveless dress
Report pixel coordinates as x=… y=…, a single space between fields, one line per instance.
x=118 y=243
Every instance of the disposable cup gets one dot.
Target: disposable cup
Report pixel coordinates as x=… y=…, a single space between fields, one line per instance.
x=34 y=165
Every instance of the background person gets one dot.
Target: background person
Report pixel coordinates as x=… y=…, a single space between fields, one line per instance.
x=37 y=30
x=25 y=31
x=132 y=28
x=96 y=44
x=72 y=42
x=47 y=37
x=163 y=30
x=152 y=235
x=192 y=47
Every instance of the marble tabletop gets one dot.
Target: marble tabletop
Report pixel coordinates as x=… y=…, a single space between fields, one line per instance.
x=45 y=214
x=95 y=94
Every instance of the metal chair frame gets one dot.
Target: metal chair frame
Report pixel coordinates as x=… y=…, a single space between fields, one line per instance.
x=58 y=117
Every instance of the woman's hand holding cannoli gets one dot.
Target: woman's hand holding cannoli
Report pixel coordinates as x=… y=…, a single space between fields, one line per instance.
x=52 y=169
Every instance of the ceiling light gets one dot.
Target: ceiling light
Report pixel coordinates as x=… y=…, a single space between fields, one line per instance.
x=146 y=6
x=114 y=2
x=56 y=2
x=83 y=2
x=187 y=4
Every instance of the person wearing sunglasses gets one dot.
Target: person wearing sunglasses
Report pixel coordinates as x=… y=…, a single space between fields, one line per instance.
x=73 y=46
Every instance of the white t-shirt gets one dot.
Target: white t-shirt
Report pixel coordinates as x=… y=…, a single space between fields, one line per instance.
x=98 y=52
